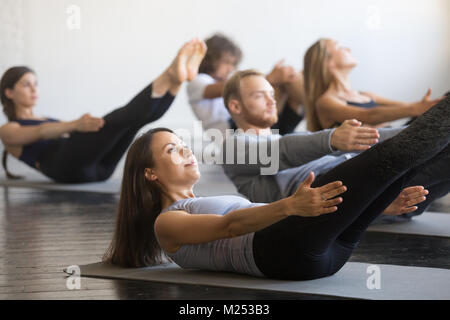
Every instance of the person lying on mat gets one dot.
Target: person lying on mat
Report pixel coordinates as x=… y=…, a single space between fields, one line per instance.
x=222 y=58
x=330 y=98
x=89 y=148
x=249 y=97
x=308 y=235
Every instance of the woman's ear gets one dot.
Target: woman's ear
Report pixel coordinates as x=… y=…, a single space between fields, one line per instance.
x=8 y=93
x=150 y=175
x=234 y=106
x=329 y=63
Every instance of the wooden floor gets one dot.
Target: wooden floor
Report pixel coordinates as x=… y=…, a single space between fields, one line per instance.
x=42 y=232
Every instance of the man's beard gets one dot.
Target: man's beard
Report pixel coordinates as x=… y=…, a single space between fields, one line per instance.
x=259 y=122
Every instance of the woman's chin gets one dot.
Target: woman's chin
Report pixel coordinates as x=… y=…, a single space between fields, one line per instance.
x=194 y=176
x=32 y=103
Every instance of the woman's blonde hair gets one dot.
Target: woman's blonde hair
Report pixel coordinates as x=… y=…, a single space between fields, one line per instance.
x=317 y=81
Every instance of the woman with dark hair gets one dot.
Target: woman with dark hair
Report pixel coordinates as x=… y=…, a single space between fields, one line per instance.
x=89 y=148
x=308 y=235
x=330 y=98
x=222 y=58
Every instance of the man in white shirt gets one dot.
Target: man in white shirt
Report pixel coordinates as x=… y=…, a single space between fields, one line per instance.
x=222 y=58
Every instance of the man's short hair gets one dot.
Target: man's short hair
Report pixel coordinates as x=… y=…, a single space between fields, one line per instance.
x=232 y=89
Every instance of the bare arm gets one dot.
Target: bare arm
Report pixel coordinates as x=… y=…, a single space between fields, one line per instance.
x=382 y=101
x=214 y=90
x=13 y=134
x=175 y=228
x=277 y=76
x=332 y=110
x=392 y=103
x=280 y=74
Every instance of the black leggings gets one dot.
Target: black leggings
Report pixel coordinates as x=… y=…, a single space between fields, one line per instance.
x=304 y=248
x=93 y=156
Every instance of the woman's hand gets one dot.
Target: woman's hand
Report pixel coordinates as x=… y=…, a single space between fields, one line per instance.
x=406 y=201
x=88 y=123
x=313 y=202
x=425 y=104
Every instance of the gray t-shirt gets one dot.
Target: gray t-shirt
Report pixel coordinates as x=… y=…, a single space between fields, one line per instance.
x=229 y=254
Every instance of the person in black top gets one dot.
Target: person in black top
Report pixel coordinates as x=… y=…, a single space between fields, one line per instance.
x=89 y=148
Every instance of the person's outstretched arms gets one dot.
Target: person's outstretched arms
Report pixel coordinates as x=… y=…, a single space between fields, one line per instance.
x=279 y=74
x=176 y=228
x=382 y=101
x=13 y=134
x=331 y=110
x=299 y=148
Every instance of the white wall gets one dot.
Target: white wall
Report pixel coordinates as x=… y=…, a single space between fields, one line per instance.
x=403 y=46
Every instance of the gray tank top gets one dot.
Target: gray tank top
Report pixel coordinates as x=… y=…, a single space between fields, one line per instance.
x=230 y=254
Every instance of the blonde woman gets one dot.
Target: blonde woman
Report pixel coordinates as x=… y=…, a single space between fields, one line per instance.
x=331 y=99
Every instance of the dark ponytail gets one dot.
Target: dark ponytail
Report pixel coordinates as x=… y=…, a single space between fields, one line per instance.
x=8 y=81
x=134 y=243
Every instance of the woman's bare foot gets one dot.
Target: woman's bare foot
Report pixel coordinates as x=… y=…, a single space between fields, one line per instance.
x=186 y=64
x=195 y=59
x=183 y=68
x=177 y=71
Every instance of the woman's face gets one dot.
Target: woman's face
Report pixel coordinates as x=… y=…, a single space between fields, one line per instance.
x=25 y=92
x=225 y=66
x=340 y=56
x=175 y=164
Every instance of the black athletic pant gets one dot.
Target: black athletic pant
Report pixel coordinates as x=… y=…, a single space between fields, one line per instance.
x=304 y=248
x=93 y=156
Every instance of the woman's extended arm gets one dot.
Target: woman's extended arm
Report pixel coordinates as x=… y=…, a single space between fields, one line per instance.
x=13 y=134
x=331 y=110
x=175 y=228
x=382 y=101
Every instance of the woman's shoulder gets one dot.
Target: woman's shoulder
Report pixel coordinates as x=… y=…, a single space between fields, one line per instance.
x=9 y=125
x=212 y=204
x=214 y=199
x=329 y=97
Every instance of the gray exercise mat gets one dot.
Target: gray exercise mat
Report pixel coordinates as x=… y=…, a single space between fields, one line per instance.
x=427 y=224
x=40 y=182
x=352 y=281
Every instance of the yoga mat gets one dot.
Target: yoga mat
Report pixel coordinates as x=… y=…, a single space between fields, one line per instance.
x=426 y=224
x=395 y=282
x=41 y=182
x=35 y=180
